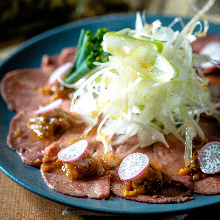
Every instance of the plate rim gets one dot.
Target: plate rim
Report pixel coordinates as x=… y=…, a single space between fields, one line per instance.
x=58 y=30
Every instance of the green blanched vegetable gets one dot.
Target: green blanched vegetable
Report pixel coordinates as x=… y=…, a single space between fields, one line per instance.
x=89 y=50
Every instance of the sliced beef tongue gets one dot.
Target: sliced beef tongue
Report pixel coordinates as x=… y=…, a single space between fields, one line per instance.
x=21 y=140
x=208 y=186
x=20 y=88
x=52 y=62
x=210 y=127
x=160 y=157
x=214 y=85
x=24 y=142
x=172 y=160
x=214 y=79
x=201 y=42
x=174 y=194
x=31 y=149
x=211 y=184
x=97 y=187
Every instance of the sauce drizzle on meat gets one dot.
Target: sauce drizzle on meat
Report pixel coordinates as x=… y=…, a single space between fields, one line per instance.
x=56 y=91
x=51 y=125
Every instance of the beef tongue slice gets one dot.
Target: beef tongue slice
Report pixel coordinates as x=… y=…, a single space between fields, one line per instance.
x=97 y=187
x=21 y=140
x=208 y=186
x=173 y=194
x=159 y=157
x=20 y=88
x=31 y=149
x=211 y=184
x=172 y=160
x=214 y=79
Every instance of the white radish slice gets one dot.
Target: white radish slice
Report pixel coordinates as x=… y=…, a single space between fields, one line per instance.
x=213 y=51
x=73 y=152
x=133 y=166
x=53 y=105
x=59 y=72
x=209 y=158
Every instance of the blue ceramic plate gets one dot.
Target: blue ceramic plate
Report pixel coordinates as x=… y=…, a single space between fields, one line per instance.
x=29 y=55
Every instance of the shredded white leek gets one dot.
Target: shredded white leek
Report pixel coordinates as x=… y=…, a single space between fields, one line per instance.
x=147 y=97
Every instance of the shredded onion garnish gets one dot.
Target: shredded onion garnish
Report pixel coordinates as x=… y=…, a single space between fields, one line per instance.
x=53 y=105
x=149 y=87
x=59 y=72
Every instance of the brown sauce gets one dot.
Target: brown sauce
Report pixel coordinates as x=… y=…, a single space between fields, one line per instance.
x=56 y=91
x=193 y=168
x=50 y=125
x=51 y=163
x=149 y=182
x=83 y=168
x=110 y=160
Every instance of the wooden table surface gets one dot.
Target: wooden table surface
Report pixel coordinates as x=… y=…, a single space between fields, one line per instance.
x=19 y=203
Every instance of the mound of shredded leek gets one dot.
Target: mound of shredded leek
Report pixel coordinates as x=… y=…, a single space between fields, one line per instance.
x=149 y=87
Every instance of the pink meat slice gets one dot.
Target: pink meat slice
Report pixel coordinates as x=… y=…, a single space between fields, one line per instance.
x=201 y=42
x=52 y=62
x=173 y=194
x=20 y=139
x=169 y=195
x=214 y=85
x=208 y=186
x=167 y=160
x=20 y=88
x=123 y=149
x=214 y=79
x=97 y=187
x=172 y=160
x=211 y=128
x=211 y=184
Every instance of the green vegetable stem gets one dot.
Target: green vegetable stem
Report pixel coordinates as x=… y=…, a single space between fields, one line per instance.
x=89 y=50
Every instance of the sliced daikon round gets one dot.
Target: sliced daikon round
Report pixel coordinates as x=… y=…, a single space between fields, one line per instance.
x=133 y=166
x=73 y=152
x=209 y=158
